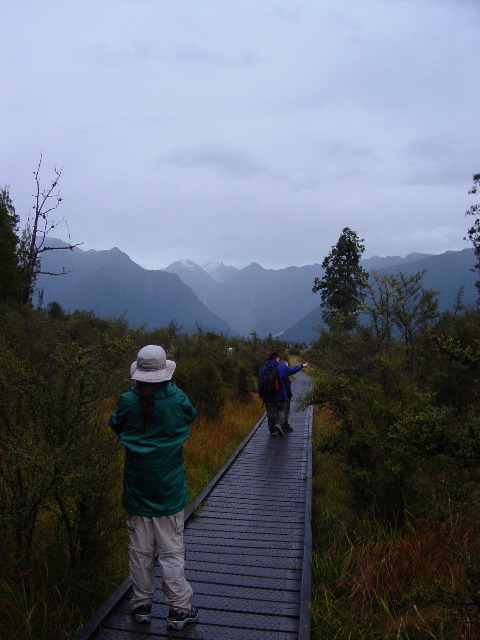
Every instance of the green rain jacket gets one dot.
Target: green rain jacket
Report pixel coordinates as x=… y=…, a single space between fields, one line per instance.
x=154 y=480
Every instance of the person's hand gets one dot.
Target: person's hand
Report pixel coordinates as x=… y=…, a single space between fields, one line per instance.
x=305 y=365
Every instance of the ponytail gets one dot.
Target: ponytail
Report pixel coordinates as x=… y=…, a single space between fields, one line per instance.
x=146 y=392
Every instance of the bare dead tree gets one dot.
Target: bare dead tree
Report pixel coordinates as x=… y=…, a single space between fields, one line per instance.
x=38 y=228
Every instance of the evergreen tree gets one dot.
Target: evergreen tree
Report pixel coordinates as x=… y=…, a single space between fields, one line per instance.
x=343 y=283
x=474 y=231
x=9 y=270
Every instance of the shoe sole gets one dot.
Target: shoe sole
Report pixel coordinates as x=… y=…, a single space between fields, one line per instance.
x=179 y=624
x=142 y=619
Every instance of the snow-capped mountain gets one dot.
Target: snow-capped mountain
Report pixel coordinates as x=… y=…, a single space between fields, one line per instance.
x=220 y=271
x=201 y=279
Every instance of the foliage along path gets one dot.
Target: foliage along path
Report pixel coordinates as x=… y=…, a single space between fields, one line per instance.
x=248 y=546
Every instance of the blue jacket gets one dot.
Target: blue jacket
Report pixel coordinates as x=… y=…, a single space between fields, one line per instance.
x=284 y=371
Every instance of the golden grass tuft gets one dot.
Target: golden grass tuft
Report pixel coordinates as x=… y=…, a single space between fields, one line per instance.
x=421 y=556
x=212 y=441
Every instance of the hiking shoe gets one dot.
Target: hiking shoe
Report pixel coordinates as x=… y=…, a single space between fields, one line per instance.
x=279 y=429
x=143 y=613
x=287 y=428
x=177 y=618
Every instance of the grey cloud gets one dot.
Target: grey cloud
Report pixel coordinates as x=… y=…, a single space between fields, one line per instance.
x=240 y=164
x=108 y=55
x=229 y=161
x=437 y=160
x=341 y=150
x=317 y=115
x=430 y=147
x=438 y=174
x=305 y=183
x=290 y=14
x=188 y=53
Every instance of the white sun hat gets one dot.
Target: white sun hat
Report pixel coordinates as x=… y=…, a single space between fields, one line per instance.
x=152 y=365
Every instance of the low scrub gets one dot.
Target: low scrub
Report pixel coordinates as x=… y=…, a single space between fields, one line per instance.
x=372 y=581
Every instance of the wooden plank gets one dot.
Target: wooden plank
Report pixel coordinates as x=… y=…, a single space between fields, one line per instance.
x=195 y=633
x=225 y=619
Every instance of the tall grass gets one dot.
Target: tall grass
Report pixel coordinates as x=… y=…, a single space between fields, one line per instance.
x=213 y=440
x=373 y=582
x=40 y=612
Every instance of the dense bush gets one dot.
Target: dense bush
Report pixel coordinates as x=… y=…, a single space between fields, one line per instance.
x=61 y=522
x=401 y=432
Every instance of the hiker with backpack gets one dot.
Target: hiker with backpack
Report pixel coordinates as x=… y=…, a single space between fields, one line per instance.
x=273 y=390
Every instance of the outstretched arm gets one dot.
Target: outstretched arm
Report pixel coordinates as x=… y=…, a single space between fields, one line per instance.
x=289 y=371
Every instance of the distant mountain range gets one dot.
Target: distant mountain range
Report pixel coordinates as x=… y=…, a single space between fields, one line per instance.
x=222 y=298
x=111 y=284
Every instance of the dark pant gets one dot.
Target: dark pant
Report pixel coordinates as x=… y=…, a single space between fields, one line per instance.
x=275 y=413
x=287 y=413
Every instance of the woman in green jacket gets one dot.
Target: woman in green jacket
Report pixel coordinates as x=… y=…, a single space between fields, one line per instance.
x=152 y=420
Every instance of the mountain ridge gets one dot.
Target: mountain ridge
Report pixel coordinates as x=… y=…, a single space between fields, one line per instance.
x=235 y=301
x=111 y=285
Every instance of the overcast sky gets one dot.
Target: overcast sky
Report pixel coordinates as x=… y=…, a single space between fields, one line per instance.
x=244 y=130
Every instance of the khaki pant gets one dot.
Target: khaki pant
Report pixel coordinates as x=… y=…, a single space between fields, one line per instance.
x=160 y=537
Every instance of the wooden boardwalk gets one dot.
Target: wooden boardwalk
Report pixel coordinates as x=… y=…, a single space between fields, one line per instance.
x=248 y=547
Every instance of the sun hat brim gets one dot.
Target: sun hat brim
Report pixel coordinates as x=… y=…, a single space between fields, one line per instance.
x=156 y=375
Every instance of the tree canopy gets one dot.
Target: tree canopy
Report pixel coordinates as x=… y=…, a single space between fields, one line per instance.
x=9 y=270
x=343 y=283
x=473 y=232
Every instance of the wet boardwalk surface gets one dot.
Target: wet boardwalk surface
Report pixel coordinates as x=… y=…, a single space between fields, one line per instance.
x=248 y=544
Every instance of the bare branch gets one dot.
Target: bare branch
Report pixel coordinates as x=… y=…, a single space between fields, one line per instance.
x=70 y=247
x=38 y=229
x=50 y=273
